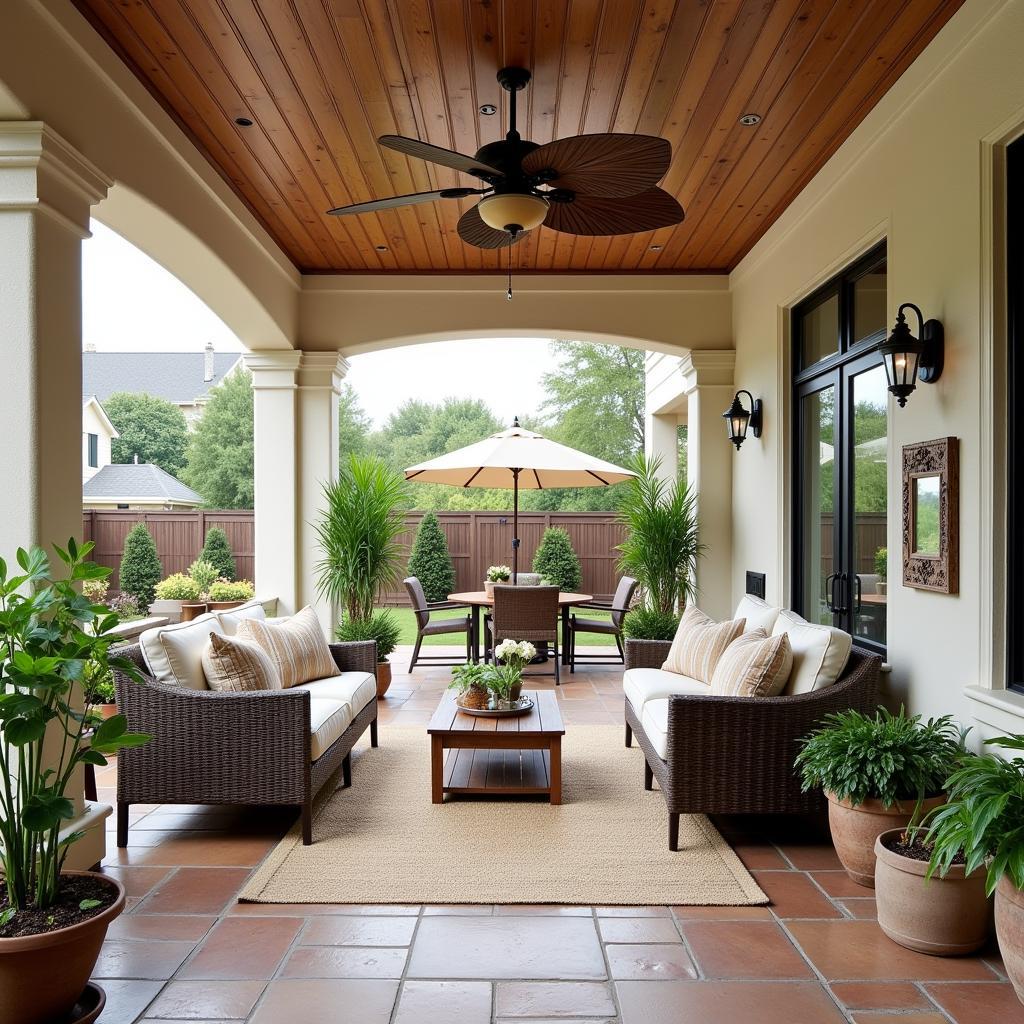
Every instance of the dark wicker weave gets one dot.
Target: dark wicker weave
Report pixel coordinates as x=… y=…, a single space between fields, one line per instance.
x=424 y=627
x=734 y=755
x=212 y=747
x=618 y=606
x=525 y=613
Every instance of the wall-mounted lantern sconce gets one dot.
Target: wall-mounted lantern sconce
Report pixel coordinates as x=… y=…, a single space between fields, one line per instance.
x=908 y=359
x=738 y=418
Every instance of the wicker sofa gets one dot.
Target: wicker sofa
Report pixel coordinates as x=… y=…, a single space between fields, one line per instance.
x=258 y=747
x=734 y=755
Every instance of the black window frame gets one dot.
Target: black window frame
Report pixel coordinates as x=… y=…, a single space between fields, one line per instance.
x=93 y=445
x=1014 y=414
x=817 y=376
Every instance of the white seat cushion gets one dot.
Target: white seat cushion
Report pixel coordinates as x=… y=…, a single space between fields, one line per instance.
x=655 y=722
x=328 y=719
x=356 y=689
x=174 y=653
x=231 y=617
x=644 y=684
x=820 y=653
x=757 y=613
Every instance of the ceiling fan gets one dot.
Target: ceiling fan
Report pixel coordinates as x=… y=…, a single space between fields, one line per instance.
x=583 y=185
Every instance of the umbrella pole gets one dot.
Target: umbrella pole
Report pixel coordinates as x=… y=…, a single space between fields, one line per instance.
x=515 y=527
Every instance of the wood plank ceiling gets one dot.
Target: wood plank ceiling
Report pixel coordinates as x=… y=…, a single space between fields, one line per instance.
x=321 y=79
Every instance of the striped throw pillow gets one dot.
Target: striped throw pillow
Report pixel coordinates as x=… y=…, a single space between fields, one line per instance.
x=699 y=643
x=754 y=665
x=297 y=646
x=233 y=664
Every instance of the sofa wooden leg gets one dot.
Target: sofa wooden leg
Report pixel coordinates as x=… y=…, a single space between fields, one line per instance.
x=629 y=735
x=648 y=776
x=346 y=770
x=122 y=823
x=307 y=822
x=673 y=831
x=373 y=733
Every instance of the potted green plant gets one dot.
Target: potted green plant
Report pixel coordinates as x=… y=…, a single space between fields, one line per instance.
x=649 y=624
x=382 y=627
x=173 y=594
x=876 y=771
x=226 y=594
x=470 y=683
x=983 y=819
x=882 y=569
x=505 y=678
x=496 y=574
x=204 y=575
x=52 y=921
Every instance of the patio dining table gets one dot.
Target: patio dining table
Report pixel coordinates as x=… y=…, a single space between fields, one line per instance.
x=478 y=599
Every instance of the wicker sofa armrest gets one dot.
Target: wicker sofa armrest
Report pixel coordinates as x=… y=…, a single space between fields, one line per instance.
x=646 y=653
x=356 y=656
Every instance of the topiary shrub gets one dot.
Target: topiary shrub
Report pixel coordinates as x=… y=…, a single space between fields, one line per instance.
x=556 y=560
x=217 y=551
x=140 y=566
x=430 y=560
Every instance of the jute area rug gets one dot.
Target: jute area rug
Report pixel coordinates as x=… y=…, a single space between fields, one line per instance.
x=383 y=841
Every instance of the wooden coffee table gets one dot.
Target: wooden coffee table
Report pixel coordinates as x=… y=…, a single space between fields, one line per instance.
x=495 y=756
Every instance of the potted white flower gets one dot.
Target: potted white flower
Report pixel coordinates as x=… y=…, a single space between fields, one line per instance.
x=496 y=574
x=506 y=677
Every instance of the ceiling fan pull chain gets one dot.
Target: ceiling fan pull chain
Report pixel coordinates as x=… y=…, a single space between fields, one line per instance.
x=509 y=264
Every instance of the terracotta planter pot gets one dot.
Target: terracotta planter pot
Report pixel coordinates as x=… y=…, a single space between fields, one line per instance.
x=192 y=610
x=1010 y=931
x=383 y=677
x=42 y=976
x=941 y=916
x=223 y=606
x=855 y=829
x=105 y=710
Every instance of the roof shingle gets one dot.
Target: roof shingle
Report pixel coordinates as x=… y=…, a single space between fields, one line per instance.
x=119 y=482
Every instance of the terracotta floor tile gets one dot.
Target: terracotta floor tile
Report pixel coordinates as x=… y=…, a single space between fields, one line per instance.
x=722 y=913
x=141 y=959
x=202 y=1000
x=243 y=947
x=793 y=894
x=913 y=1017
x=126 y=1000
x=633 y=912
x=444 y=1002
x=344 y=962
x=812 y=856
x=864 y=909
x=735 y=1002
x=980 y=1003
x=638 y=929
x=198 y=890
x=512 y=947
x=458 y=910
x=529 y=999
x=840 y=884
x=358 y=931
x=321 y=909
x=322 y=1001
x=209 y=850
x=137 y=881
x=857 y=950
x=541 y=910
x=880 y=995
x=650 y=961
x=760 y=855
x=743 y=949
x=160 y=926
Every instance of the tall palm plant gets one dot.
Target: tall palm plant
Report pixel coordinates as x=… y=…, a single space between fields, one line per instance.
x=661 y=546
x=358 y=531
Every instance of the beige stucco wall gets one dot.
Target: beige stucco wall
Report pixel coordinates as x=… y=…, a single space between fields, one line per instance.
x=919 y=173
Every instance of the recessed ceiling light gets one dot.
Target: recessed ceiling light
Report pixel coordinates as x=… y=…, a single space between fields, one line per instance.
x=243 y=122
x=749 y=120
x=655 y=248
x=488 y=109
x=381 y=248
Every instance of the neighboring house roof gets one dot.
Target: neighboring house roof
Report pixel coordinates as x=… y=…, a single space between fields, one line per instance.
x=101 y=412
x=175 y=376
x=138 y=481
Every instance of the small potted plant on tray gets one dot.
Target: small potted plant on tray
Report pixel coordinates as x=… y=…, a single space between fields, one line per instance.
x=382 y=627
x=877 y=771
x=496 y=574
x=52 y=921
x=470 y=683
x=506 y=675
x=226 y=594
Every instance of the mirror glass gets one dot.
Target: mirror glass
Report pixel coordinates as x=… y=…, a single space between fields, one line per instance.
x=926 y=515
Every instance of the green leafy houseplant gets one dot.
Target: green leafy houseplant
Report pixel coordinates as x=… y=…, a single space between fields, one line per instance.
x=178 y=587
x=649 y=624
x=140 y=566
x=359 y=532
x=661 y=545
x=430 y=561
x=557 y=561
x=882 y=564
x=232 y=590
x=51 y=636
x=217 y=552
x=381 y=627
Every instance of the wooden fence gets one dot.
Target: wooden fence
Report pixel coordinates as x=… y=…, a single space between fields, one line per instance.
x=475 y=540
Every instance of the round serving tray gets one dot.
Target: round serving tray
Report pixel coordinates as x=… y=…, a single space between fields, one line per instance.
x=520 y=707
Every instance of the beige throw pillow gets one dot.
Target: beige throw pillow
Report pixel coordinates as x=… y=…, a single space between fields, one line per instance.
x=754 y=665
x=297 y=646
x=699 y=643
x=233 y=664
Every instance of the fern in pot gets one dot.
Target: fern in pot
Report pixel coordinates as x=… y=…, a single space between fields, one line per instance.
x=53 y=640
x=876 y=772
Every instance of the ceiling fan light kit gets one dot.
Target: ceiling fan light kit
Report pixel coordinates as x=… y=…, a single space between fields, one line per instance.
x=512 y=211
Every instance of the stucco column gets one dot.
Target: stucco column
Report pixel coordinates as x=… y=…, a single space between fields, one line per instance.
x=295 y=400
x=661 y=442
x=707 y=377
x=47 y=190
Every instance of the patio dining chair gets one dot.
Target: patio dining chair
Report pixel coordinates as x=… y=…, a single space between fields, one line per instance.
x=422 y=609
x=524 y=613
x=618 y=606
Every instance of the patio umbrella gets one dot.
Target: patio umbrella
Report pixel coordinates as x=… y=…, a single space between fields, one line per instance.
x=518 y=458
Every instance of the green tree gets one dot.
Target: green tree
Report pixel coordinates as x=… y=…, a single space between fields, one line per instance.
x=217 y=552
x=353 y=425
x=431 y=561
x=150 y=428
x=556 y=560
x=220 y=453
x=140 y=566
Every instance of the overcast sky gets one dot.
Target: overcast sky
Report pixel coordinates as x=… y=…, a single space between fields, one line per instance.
x=132 y=304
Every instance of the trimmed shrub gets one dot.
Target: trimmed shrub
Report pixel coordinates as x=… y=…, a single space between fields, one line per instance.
x=217 y=551
x=232 y=590
x=650 y=624
x=430 y=560
x=556 y=560
x=178 y=587
x=381 y=627
x=204 y=574
x=140 y=566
